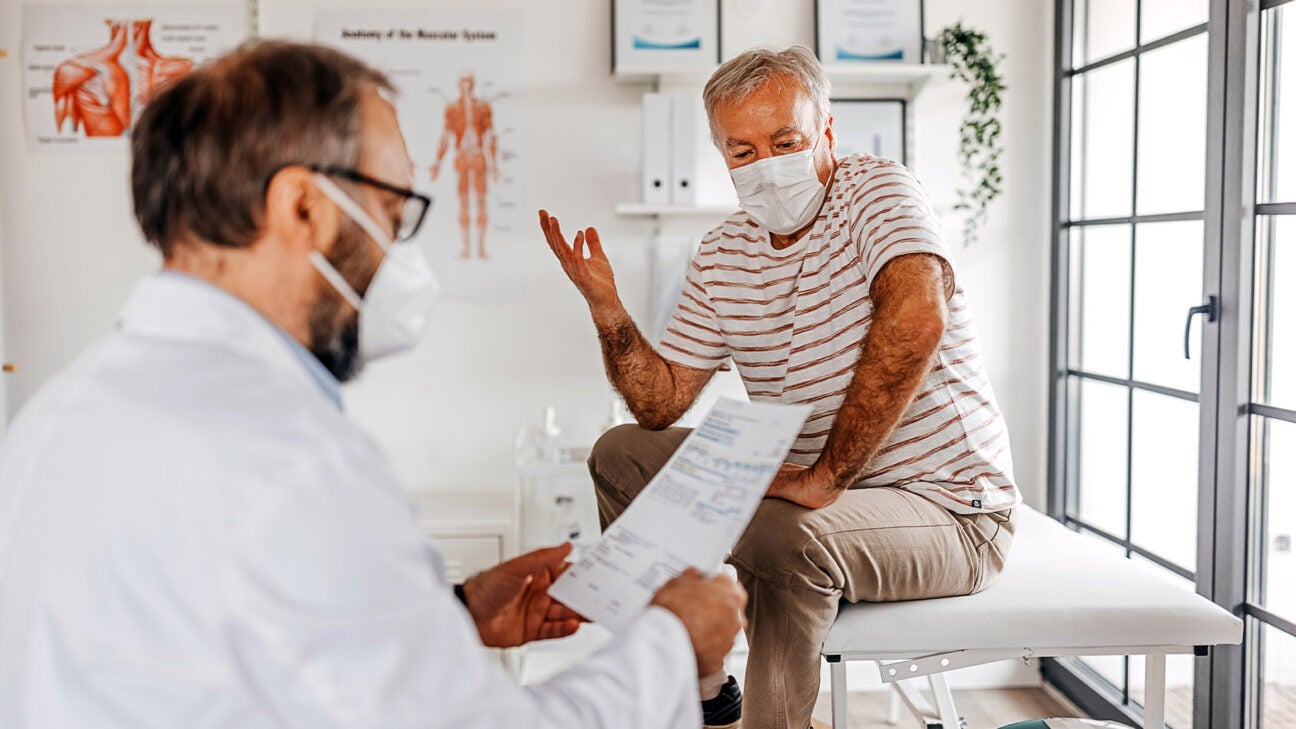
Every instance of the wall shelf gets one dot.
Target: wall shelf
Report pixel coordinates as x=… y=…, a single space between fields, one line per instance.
x=913 y=75
x=645 y=210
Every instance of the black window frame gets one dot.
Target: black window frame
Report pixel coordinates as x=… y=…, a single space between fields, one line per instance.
x=1230 y=486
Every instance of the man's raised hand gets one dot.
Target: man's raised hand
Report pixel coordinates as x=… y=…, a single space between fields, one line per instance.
x=593 y=274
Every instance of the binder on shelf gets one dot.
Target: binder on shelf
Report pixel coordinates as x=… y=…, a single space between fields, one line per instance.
x=684 y=149
x=698 y=172
x=657 y=148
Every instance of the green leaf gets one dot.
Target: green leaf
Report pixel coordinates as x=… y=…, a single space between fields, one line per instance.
x=975 y=63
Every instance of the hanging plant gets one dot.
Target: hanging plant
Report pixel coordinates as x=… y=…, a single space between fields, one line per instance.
x=974 y=63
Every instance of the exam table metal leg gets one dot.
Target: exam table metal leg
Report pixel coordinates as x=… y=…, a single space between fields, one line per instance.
x=1154 y=687
x=837 y=672
x=914 y=700
x=893 y=705
x=944 y=701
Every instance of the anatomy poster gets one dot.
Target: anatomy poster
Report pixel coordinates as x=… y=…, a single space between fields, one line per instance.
x=88 y=70
x=454 y=72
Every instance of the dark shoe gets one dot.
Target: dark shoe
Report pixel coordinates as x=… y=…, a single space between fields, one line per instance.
x=725 y=710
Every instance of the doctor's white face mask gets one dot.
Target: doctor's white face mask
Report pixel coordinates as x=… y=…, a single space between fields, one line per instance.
x=782 y=193
x=395 y=307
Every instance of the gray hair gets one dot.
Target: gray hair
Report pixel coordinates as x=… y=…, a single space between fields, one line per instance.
x=741 y=75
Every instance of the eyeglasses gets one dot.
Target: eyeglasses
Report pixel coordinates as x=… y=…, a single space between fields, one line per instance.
x=414 y=205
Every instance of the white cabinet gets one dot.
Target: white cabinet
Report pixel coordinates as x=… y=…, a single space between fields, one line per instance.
x=473 y=532
x=466 y=556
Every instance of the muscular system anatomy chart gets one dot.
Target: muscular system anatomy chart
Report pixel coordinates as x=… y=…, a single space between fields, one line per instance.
x=456 y=72
x=89 y=70
x=152 y=69
x=471 y=129
x=92 y=89
x=690 y=515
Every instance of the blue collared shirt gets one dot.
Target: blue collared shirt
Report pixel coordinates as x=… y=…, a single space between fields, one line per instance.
x=327 y=383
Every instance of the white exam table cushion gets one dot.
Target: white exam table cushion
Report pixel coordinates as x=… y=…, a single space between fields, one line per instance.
x=1059 y=590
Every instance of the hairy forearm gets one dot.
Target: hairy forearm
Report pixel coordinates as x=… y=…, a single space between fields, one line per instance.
x=898 y=354
x=636 y=370
x=894 y=364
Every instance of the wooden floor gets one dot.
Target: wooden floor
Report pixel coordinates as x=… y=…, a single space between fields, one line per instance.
x=983 y=709
x=993 y=708
x=1279 y=706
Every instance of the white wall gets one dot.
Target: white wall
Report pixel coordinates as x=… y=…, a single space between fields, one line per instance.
x=1006 y=273
x=448 y=413
x=4 y=421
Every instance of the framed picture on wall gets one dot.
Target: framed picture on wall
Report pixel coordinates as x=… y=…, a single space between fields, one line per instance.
x=870 y=126
x=869 y=31
x=664 y=36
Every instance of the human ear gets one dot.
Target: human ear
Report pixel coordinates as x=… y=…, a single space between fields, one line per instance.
x=298 y=214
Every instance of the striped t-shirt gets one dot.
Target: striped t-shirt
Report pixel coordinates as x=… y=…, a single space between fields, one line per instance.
x=794 y=322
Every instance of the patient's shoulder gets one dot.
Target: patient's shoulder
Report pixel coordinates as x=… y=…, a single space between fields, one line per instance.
x=861 y=168
x=866 y=179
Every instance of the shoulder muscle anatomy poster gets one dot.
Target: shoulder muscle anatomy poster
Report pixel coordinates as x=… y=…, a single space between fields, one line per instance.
x=88 y=70
x=458 y=111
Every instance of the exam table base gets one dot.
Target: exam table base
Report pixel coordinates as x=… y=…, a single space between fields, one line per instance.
x=897 y=672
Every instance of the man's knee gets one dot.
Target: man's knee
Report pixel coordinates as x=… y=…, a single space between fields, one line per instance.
x=613 y=456
x=778 y=541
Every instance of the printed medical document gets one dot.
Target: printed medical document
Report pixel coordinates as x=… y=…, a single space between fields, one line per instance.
x=690 y=515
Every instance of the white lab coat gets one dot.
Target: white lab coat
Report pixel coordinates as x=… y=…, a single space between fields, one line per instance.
x=193 y=535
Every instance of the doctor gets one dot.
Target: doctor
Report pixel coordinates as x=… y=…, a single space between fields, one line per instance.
x=192 y=533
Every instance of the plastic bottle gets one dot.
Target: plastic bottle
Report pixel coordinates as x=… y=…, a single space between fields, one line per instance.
x=549 y=433
x=537 y=445
x=616 y=415
x=566 y=519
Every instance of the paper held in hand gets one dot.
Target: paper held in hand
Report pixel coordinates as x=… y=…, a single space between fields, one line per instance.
x=690 y=515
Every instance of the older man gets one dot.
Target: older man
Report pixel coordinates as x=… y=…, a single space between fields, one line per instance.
x=831 y=287
x=193 y=534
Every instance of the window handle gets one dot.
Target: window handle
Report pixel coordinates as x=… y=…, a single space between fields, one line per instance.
x=1210 y=309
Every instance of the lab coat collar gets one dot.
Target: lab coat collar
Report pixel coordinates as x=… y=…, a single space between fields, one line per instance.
x=175 y=306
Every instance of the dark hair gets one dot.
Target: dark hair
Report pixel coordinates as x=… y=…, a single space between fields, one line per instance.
x=204 y=149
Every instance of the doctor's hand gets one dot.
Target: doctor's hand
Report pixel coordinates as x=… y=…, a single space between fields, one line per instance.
x=711 y=610
x=510 y=602
x=592 y=275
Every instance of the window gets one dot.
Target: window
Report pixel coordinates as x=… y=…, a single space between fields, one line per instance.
x=1134 y=240
x=1271 y=516
x=1166 y=202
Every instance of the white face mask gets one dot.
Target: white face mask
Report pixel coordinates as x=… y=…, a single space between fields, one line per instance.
x=782 y=193
x=395 y=308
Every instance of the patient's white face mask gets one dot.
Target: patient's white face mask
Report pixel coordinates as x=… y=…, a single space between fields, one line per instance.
x=395 y=308
x=782 y=193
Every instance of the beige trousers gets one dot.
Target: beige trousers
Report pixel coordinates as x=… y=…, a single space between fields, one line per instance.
x=798 y=564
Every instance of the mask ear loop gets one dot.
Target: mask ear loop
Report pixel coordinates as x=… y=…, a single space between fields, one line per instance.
x=335 y=279
x=822 y=136
x=366 y=223
x=353 y=211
